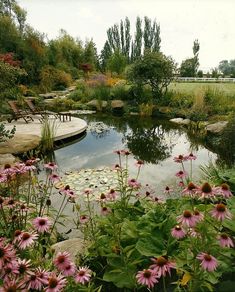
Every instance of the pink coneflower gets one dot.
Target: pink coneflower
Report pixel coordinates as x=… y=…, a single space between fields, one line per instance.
x=24 y=266
x=178 y=232
x=12 y=286
x=225 y=241
x=191 y=156
x=62 y=260
x=8 y=170
x=147 y=277
x=55 y=283
x=193 y=232
x=105 y=211
x=180 y=158
x=220 y=212
x=83 y=275
x=181 y=184
x=3 y=178
x=125 y=152
x=33 y=160
x=34 y=282
x=17 y=235
x=208 y=262
x=187 y=219
x=68 y=192
x=112 y=194
x=42 y=224
x=102 y=198
x=181 y=174
x=10 y=270
x=206 y=191
x=42 y=275
x=118 y=152
x=139 y=163
x=224 y=190
x=54 y=177
x=198 y=216
x=134 y=184
x=168 y=190
x=88 y=191
x=50 y=165
x=84 y=219
x=190 y=189
x=117 y=167
x=7 y=254
x=157 y=200
x=10 y=203
x=162 y=266
x=29 y=166
x=26 y=239
x=69 y=270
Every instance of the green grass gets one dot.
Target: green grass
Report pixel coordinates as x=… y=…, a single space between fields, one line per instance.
x=189 y=87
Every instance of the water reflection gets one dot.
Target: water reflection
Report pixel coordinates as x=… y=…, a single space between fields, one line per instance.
x=150 y=140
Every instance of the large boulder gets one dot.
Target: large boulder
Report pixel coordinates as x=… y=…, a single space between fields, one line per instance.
x=216 y=128
x=20 y=143
x=74 y=246
x=117 y=104
x=7 y=159
x=97 y=104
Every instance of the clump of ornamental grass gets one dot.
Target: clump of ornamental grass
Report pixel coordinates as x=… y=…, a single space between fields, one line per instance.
x=48 y=132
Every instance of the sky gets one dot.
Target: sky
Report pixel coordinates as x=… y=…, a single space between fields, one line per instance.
x=212 y=22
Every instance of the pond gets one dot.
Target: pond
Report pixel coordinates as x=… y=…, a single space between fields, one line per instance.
x=154 y=141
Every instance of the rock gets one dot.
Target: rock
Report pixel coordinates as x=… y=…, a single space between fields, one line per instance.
x=117 y=104
x=216 y=128
x=48 y=95
x=71 y=88
x=181 y=121
x=97 y=103
x=73 y=246
x=186 y=122
x=20 y=143
x=7 y=158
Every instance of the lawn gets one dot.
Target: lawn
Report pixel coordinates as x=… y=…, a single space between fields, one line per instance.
x=189 y=87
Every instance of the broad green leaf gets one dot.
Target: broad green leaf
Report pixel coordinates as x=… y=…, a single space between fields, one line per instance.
x=151 y=245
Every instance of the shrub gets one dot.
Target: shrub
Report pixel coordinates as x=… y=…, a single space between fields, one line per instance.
x=54 y=79
x=120 y=91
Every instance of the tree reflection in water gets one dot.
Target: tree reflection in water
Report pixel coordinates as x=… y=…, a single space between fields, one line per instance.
x=148 y=140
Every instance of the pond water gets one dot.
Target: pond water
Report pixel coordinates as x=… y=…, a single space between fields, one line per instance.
x=154 y=141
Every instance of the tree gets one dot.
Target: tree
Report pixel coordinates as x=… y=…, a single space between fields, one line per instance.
x=151 y=35
x=189 y=67
x=227 y=68
x=104 y=56
x=153 y=69
x=137 y=44
x=117 y=62
x=90 y=54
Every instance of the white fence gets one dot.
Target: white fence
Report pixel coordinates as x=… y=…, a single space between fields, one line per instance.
x=197 y=79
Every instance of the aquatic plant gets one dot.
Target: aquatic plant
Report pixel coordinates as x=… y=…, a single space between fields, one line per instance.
x=48 y=131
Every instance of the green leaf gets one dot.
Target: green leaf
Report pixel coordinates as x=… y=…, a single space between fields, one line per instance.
x=151 y=246
x=122 y=278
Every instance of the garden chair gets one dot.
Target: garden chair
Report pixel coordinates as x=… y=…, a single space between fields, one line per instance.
x=37 y=111
x=18 y=113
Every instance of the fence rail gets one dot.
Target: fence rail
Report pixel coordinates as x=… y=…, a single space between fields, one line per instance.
x=197 y=79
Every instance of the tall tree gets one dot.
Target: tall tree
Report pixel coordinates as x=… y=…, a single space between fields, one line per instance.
x=189 y=67
x=137 y=44
x=104 y=56
x=196 y=47
x=151 y=35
